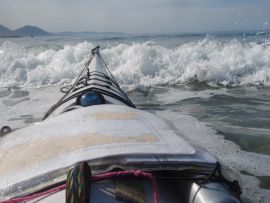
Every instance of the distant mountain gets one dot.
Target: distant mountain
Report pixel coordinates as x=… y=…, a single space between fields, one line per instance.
x=5 y=32
x=31 y=31
x=70 y=33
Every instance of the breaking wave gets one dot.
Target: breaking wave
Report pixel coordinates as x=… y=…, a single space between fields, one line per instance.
x=231 y=63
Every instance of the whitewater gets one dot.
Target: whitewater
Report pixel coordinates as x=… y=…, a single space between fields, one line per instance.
x=212 y=88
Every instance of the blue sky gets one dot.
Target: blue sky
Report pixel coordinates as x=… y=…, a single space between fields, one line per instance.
x=137 y=16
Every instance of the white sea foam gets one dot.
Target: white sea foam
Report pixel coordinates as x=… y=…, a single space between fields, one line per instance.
x=21 y=67
x=141 y=64
x=199 y=134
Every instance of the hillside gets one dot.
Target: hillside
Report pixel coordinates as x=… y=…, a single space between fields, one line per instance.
x=5 y=32
x=31 y=31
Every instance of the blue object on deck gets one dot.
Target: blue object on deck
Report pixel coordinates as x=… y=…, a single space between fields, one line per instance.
x=91 y=98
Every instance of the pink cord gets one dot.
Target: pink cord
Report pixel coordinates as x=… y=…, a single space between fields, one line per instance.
x=34 y=196
x=98 y=177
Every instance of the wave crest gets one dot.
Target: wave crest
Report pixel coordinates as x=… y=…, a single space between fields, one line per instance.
x=229 y=63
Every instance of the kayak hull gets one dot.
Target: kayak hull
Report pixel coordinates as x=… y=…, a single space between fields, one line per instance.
x=111 y=136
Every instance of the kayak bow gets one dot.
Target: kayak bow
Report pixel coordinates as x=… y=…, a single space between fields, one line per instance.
x=93 y=145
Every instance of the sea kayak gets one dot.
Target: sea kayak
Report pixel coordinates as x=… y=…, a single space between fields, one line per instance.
x=94 y=145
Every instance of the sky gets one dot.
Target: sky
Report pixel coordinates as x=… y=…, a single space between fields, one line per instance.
x=137 y=16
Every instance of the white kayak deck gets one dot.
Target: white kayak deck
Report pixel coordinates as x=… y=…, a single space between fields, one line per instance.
x=84 y=134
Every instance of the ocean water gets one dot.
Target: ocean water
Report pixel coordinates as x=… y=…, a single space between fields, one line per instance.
x=214 y=88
